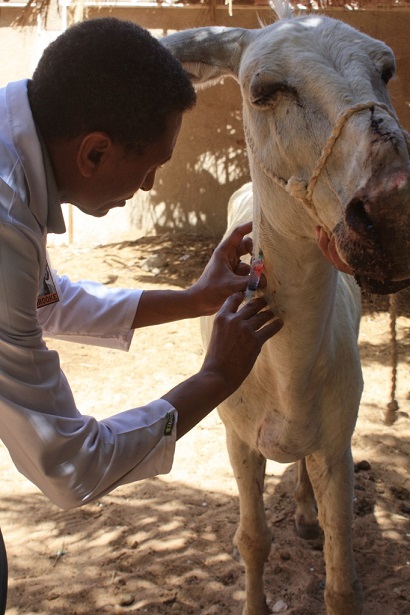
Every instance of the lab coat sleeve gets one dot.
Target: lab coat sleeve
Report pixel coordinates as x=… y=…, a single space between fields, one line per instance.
x=90 y=313
x=75 y=459
x=72 y=458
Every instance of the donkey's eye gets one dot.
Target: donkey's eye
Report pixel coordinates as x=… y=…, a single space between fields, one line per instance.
x=387 y=74
x=265 y=93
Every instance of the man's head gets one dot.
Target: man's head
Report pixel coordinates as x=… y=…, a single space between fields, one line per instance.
x=108 y=100
x=111 y=76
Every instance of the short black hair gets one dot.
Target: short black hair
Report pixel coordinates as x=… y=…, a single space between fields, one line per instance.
x=108 y=75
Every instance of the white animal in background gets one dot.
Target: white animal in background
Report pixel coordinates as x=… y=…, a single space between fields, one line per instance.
x=325 y=149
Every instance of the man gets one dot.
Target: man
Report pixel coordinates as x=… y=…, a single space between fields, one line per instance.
x=101 y=114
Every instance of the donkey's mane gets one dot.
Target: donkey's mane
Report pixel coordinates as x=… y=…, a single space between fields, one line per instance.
x=282 y=8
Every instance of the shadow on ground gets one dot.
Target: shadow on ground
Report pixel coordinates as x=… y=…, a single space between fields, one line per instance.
x=156 y=546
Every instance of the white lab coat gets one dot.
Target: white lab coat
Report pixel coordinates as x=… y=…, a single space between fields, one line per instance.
x=72 y=458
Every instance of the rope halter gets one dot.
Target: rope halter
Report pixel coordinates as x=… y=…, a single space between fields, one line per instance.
x=297 y=187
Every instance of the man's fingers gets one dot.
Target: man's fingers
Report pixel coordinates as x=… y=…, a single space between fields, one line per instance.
x=252 y=307
x=242 y=230
x=233 y=302
x=235 y=238
x=236 y=244
x=248 y=309
x=264 y=321
x=245 y=247
x=261 y=318
x=242 y=268
x=269 y=330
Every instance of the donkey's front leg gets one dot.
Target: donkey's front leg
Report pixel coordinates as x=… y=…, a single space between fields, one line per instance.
x=253 y=537
x=333 y=487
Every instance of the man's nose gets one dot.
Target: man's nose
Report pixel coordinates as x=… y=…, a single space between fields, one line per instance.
x=148 y=181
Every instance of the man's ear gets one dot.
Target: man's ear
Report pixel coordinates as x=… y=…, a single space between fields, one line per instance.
x=94 y=149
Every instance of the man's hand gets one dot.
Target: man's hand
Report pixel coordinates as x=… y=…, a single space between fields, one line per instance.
x=225 y=273
x=238 y=335
x=328 y=248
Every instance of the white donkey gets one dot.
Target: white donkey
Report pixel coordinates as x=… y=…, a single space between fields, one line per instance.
x=325 y=149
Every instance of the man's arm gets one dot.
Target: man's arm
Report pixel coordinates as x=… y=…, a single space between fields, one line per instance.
x=90 y=313
x=74 y=458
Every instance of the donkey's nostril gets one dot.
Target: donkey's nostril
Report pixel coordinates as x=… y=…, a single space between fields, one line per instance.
x=357 y=219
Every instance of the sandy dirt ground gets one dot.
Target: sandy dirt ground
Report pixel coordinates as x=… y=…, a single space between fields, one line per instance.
x=165 y=545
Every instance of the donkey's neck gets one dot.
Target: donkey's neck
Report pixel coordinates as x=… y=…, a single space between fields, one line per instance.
x=299 y=279
x=307 y=292
x=302 y=289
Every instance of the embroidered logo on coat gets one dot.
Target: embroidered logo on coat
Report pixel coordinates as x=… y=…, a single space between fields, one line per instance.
x=48 y=293
x=169 y=424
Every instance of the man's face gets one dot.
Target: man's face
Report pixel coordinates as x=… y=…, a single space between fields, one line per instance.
x=122 y=174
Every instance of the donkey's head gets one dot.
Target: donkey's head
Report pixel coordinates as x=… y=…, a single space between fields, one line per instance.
x=324 y=143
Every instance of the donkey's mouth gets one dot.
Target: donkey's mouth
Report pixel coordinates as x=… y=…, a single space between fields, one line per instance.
x=380 y=287
x=373 y=237
x=375 y=271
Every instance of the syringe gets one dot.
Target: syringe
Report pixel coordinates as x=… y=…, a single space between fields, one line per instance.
x=254 y=275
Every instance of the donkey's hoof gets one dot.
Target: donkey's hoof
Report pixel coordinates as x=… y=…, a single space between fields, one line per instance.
x=262 y=609
x=307 y=531
x=350 y=602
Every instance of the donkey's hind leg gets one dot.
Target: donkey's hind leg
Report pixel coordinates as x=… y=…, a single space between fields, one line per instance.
x=306 y=521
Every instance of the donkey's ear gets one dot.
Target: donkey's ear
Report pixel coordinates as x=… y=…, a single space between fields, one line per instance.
x=208 y=54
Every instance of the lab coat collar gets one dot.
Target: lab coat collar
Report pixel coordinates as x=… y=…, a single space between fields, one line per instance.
x=44 y=205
